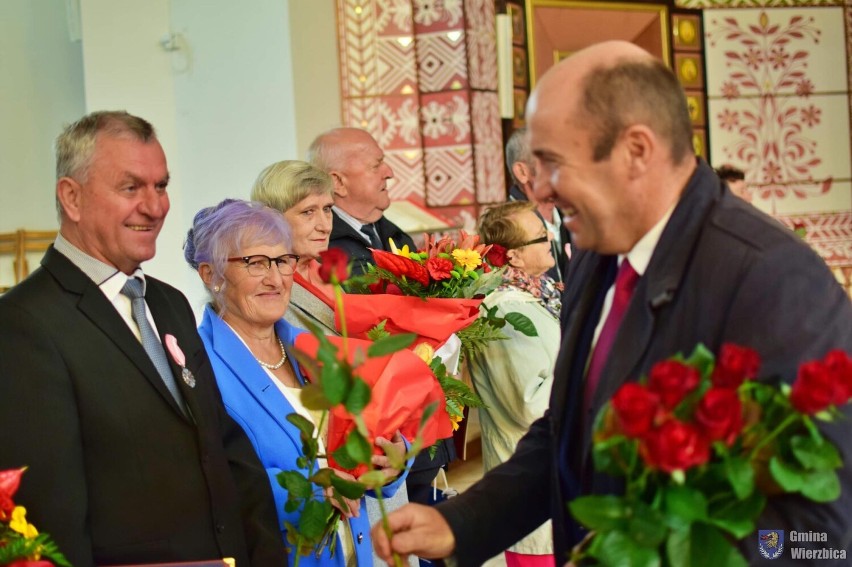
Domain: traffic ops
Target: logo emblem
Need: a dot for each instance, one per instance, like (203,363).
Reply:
(770,543)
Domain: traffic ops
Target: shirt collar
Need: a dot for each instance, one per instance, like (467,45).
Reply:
(640,254)
(351,221)
(108,278)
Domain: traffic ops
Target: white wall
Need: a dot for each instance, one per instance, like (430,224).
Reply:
(251,83)
(41,89)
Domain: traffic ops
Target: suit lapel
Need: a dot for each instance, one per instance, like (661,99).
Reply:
(245,369)
(93,304)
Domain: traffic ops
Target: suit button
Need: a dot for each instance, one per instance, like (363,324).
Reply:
(220,528)
(360,537)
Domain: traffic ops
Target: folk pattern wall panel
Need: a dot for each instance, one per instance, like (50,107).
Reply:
(779,109)
(421,76)
(488,148)
(481,44)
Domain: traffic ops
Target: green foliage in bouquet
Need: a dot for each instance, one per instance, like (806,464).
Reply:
(701,446)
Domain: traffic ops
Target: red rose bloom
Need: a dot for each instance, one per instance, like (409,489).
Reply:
(675,446)
(735,365)
(719,415)
(439,268)
(333,265)
(635,408)
(496,256)
(839,364)
(814,389)
(672,381)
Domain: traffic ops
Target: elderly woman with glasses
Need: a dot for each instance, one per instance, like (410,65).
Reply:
(242,253)
(514,377)
(305,194)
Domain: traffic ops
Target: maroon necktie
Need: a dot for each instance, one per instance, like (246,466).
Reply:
(625,283)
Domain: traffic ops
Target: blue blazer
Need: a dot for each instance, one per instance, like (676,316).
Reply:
(261,409)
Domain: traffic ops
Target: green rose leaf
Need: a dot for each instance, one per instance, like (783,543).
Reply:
(684,506)
(350,489)
(740,476)
(304,425)
(391,344)
(313,398)
(647,527)
(313,519)
(815,454)
(291,505)
(602,513)
(710,548)
(359,396)
(821,486)
(356,451)
(522,324)
(322,477)
(790,477)
(335,382)
(701,359)
(294,483)
(373,479)
(616,549)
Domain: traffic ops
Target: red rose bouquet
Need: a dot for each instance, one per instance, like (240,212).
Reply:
(20,543)
(701,445)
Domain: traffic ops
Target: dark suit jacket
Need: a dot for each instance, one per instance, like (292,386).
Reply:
(721,272)
(352,241)
(117,474)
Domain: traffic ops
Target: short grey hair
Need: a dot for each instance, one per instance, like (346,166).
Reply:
(285,183)
(75,146)
(518,150)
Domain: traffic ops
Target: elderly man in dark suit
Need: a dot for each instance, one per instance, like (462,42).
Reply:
(107,393)
(612,138)
(360,175)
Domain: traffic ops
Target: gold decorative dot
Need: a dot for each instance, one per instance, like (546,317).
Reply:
(358,9)
(688,70)
(363,78)
(686,32)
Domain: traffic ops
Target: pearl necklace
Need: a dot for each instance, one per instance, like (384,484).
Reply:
(278,364)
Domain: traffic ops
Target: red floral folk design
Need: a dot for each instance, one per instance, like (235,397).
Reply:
(773,137)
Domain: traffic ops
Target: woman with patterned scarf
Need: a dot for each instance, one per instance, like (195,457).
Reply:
(514,376)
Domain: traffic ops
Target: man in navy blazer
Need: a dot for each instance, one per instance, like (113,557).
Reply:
(611,135)
(121,470)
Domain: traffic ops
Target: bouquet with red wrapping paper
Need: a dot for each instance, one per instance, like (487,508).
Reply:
(402,386)
(701,445)
(433,320)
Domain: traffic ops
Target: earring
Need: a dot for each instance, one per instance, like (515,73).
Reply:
(216,289)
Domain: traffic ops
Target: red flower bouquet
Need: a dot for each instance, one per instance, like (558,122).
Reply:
(20,543)
(402,386)
(701,445)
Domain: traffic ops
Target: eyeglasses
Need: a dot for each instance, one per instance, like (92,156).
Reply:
(539,240)
(258,265)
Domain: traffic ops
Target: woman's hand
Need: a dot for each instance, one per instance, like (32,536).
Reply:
(352,508)
(382,462)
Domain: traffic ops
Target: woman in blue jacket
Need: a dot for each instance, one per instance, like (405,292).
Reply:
(241,251)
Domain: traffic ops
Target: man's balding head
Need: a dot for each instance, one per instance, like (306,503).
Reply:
(611,135)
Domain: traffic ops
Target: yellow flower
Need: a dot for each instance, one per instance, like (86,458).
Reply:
(20,525)
(468,259)
(456,420)
(404,251)
(425,351)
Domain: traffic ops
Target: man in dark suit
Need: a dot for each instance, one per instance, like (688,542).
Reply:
(521,166)
(132,457)
(611,134)
(360,174)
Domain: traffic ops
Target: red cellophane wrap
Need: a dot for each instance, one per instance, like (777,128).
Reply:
(433,319)
(402,386)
